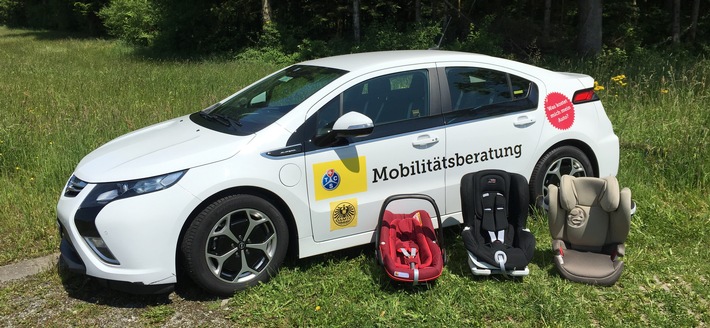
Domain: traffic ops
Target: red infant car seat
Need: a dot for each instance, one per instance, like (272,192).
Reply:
(407,245)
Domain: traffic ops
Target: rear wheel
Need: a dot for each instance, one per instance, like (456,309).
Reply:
(234,243)
(565,160)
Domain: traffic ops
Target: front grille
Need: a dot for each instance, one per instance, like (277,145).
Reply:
(74,187)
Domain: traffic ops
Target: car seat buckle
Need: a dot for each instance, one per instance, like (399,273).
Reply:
(501,258)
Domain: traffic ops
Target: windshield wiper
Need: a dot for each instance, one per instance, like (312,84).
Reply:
(226,120)
(222,119)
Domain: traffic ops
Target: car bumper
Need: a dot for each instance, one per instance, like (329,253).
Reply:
(141,232)
(608,155)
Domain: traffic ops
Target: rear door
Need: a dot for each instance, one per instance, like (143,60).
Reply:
(493,121)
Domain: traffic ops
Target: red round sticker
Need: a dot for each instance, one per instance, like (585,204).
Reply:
(559,110)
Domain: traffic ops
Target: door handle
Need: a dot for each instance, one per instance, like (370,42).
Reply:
(523,121)
(424,140)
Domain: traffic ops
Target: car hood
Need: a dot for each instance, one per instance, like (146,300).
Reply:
(165,147)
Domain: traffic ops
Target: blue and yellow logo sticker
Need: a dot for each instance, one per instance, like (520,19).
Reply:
(331,180)
(343,214)
(340,178)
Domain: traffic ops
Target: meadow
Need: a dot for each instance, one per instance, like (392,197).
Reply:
(61,97)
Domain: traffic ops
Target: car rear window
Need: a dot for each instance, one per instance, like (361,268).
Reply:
(479,92)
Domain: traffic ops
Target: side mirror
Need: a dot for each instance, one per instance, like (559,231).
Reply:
(352,124)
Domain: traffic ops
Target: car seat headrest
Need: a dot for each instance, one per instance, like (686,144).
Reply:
(405,226)
(493,183)
(408,225)
(587,191)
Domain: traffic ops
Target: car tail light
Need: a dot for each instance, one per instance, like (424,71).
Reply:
(583,96)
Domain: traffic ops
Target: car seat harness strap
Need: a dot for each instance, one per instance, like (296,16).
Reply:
(407,254)
(497,235)
(411,257)
(494,216)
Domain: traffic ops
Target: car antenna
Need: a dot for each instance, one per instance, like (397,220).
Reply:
(438,45)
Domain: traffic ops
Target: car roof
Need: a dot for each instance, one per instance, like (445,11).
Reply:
(370,61)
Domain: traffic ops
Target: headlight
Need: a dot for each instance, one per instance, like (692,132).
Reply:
(107,192)
(104,193)
(74,186)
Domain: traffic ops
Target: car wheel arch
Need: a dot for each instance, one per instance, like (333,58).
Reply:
(561,146)
(581,145)
(268,195)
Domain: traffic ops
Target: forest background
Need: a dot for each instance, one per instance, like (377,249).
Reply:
(289,31)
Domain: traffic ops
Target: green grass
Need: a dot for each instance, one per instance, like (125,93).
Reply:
(62,97)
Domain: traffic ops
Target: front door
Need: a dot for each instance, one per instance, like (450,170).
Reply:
(349,179)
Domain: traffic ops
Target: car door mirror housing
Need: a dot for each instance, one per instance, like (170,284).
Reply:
(351,124)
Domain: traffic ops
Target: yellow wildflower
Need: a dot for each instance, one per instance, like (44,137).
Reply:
(619,79)
(664,91)
(597,86)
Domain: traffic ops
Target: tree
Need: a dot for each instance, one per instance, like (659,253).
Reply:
(265,12)
(675,32)
(546,22)
(589,37)
(694,20)
(356,20)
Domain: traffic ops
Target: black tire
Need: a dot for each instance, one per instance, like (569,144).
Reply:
(555,163)
(235,243)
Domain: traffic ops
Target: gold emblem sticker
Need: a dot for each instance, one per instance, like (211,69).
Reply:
(343,214)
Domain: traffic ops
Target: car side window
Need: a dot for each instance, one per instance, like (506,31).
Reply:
(472,88)
(385,99)
(523,89)
(479,92)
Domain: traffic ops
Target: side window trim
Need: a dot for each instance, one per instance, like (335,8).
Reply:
(435,99)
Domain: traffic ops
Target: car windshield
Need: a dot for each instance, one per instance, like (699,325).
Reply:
(258,106)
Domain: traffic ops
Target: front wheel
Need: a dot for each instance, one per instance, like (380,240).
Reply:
(235,243)
(565,160)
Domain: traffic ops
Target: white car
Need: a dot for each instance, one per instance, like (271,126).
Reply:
(302,160)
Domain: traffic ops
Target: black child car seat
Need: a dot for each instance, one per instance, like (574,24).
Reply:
(495,209)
